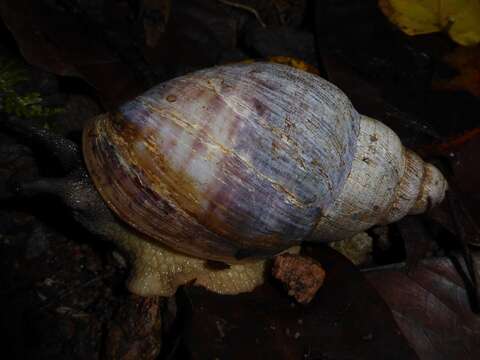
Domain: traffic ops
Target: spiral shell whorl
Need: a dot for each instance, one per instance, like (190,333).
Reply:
(432,190)
(226,163)
(386,182)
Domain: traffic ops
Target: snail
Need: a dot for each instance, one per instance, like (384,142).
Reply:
(236,164)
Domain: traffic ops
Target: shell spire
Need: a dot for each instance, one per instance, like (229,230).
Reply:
(387,182)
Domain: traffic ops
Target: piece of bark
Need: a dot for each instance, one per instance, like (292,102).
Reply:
(302,275)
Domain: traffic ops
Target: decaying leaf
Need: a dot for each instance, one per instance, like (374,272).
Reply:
(60,43)
(467,63)
(155,19)
(460,18)
(452,144)
(345,320)
(431,306)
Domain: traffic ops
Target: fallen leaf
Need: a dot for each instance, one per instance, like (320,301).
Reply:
(467,177)
(60,43)
(431,306)
(460,18)
(155,19)
(451,145)
(462,151)
(467,63)
(418,244)
(345,320)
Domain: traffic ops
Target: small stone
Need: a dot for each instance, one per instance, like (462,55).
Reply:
(301,275)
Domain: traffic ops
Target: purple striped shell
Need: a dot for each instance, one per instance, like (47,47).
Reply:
(226,163)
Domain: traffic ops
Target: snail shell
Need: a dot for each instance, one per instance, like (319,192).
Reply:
(247,160)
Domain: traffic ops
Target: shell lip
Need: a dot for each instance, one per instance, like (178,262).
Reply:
(236,256)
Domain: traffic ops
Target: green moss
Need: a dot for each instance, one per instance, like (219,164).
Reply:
(25,105)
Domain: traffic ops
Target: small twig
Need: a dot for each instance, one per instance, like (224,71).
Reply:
(245,7)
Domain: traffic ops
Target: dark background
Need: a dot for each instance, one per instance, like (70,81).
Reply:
(63,293)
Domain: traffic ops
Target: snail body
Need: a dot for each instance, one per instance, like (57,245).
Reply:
(244,161)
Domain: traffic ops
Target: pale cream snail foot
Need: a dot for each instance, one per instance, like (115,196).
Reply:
(159,271)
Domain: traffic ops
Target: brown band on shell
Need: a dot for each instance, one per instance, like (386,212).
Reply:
(432,190)
(168,207)
(408,188)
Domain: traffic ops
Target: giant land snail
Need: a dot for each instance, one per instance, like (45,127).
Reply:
(236,164)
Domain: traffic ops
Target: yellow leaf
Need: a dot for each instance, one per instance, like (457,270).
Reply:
(460,18)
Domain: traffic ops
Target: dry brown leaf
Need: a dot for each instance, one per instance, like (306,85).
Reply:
(431,306)
(467,63)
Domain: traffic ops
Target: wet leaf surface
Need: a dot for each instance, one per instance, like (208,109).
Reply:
(431,305)
(345,320)
(417,240)
(105,46)
(468,180)
(68,45)
(466,62)
(389,75)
